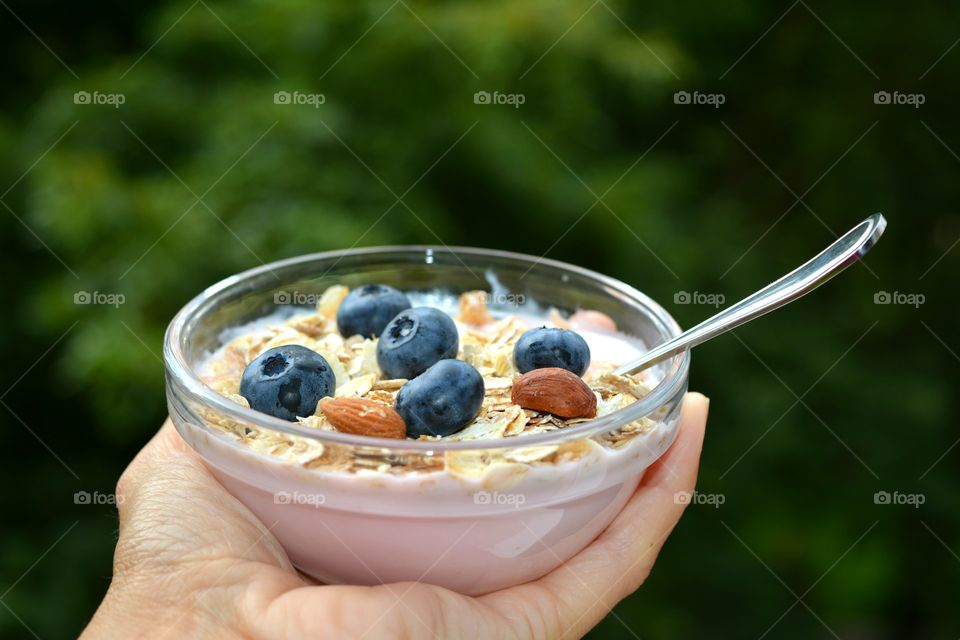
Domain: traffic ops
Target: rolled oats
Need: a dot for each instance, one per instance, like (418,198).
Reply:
(487,344)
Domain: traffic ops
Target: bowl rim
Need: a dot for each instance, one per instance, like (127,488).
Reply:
(178,369)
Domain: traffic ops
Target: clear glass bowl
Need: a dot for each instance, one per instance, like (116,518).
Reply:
(472,516)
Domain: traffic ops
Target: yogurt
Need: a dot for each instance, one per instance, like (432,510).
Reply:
(473,521)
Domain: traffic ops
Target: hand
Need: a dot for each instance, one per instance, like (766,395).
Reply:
(191,561)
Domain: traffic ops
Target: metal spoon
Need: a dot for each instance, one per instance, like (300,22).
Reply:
(849,248)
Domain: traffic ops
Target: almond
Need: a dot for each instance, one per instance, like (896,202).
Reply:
(362,417)
(554,390)
(590,319)
(473,308)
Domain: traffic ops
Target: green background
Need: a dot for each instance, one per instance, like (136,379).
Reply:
(814,409)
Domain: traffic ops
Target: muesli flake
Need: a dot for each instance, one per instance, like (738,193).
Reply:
(486,343)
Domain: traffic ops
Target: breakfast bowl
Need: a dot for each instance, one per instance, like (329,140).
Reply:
(510,498)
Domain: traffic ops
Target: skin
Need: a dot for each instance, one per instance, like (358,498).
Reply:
(192,562)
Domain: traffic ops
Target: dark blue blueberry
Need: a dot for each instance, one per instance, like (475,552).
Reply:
(414,340)
(442,400)
(547,347)
(367,310)
(286,382)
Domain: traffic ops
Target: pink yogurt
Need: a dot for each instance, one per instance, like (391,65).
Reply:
(474,534)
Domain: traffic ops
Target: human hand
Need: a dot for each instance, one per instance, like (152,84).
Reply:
(191,561)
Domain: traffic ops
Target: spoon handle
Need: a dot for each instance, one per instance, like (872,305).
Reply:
(838,256)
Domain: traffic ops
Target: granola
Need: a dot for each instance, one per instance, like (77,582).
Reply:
(485,342)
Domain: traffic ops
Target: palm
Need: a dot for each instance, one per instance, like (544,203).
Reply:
(202,559)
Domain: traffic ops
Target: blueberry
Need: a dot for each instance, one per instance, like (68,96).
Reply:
(367,310)
(547,347)
(442,400)
(286,382)
(414,340)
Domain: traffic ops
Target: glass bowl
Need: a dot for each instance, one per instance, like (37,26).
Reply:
(472,516)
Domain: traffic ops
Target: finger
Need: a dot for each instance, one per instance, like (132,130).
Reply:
(165,472)
(410,610)
(576,596)
(173,511)
(631,543)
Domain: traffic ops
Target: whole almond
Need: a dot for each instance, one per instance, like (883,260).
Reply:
(554,390)
(362,417)
(473,308)
(590,319)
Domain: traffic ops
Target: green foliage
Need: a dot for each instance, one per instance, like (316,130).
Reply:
(200,173)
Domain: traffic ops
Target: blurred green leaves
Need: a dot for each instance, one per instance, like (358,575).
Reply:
(201,173)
